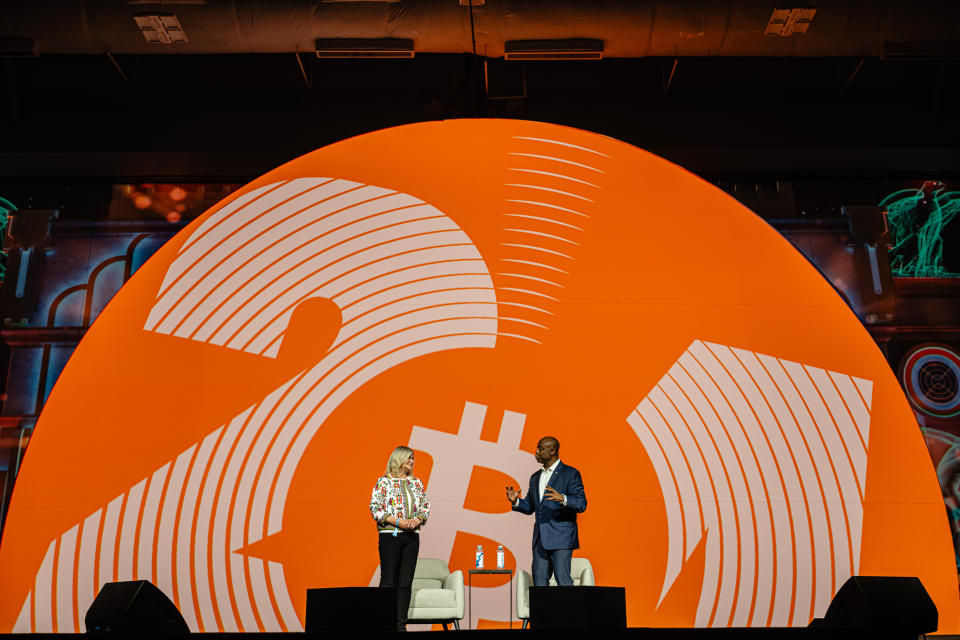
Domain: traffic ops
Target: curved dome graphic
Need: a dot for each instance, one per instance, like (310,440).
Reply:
(467,287)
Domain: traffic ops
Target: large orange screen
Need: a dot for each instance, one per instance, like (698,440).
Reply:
(467,287)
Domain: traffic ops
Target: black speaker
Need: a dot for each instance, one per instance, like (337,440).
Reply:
(892,605)
(133,607)
(578,608)
(351,609)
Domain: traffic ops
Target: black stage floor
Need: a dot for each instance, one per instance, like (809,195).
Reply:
(795,633)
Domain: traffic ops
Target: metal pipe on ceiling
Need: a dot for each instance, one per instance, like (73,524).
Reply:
(628,28)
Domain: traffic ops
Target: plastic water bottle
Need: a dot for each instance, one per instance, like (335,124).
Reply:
(499,556)
(479,556)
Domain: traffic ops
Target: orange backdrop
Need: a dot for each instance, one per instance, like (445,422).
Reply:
(467,287)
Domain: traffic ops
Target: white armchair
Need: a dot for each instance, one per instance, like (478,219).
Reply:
(580,570)
(437,594)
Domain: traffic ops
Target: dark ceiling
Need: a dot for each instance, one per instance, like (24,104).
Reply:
(218,114)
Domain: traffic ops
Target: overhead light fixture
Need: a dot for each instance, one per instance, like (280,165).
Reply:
(790,22)
(364,48)
(160,27)
(572,49)
(193,2)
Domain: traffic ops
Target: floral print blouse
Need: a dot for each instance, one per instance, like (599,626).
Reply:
(402,498)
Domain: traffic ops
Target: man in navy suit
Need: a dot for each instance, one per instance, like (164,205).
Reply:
(556,497)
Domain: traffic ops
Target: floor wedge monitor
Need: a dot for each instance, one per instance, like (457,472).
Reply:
(894,605)
(351,609)
(578,608)
(136,606)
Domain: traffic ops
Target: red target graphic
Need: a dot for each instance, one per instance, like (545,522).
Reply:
(930,374)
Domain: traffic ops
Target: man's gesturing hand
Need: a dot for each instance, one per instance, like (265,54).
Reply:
(552,494)
(512,494)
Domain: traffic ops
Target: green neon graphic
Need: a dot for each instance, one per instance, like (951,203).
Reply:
(6,207)
(917,218)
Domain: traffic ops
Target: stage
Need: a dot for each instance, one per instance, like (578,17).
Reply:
(633,633)
(748,450)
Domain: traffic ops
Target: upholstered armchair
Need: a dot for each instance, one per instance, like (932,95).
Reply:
(437,594)
(580,570)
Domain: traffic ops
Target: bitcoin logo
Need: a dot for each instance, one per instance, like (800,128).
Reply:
(448,487)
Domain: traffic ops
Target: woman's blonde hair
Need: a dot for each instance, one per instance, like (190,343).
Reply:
(400,455)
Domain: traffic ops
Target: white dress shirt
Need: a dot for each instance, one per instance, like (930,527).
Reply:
(545,478)
(544,481)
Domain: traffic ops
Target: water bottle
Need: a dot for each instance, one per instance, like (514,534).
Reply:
(479,556)
(499,556)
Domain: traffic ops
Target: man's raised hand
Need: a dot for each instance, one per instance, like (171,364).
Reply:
(512,494)
(552,494)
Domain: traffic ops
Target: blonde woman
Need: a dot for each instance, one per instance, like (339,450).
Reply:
(400,506)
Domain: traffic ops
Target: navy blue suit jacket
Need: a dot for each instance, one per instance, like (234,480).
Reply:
(556,525)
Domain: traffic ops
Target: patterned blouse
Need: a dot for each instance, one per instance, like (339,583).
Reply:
(402,498)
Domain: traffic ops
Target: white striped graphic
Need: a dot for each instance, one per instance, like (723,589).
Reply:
(554,175)
(108,542)
(148,522)
(543,201)
(24,622)
(528,292)
(128,531)
(86,561)
(166,533)
(767,451)
(556,159)
(544,235)
(547,205)
(64,610)
(524,276)
(408,282)
(44,614)
(548,189)
(542,219)
(562,144)
(536,264)
(536,248)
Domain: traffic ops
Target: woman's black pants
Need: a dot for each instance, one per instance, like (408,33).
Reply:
(398,561)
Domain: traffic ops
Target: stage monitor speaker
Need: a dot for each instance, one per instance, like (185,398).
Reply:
(351,609)
(578,608)
(133,607)
(893,605)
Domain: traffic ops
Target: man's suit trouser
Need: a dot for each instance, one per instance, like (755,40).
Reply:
(555,561)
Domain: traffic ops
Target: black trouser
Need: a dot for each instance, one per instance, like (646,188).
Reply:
(398,561)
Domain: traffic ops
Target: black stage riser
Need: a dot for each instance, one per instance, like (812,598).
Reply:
(792,633)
